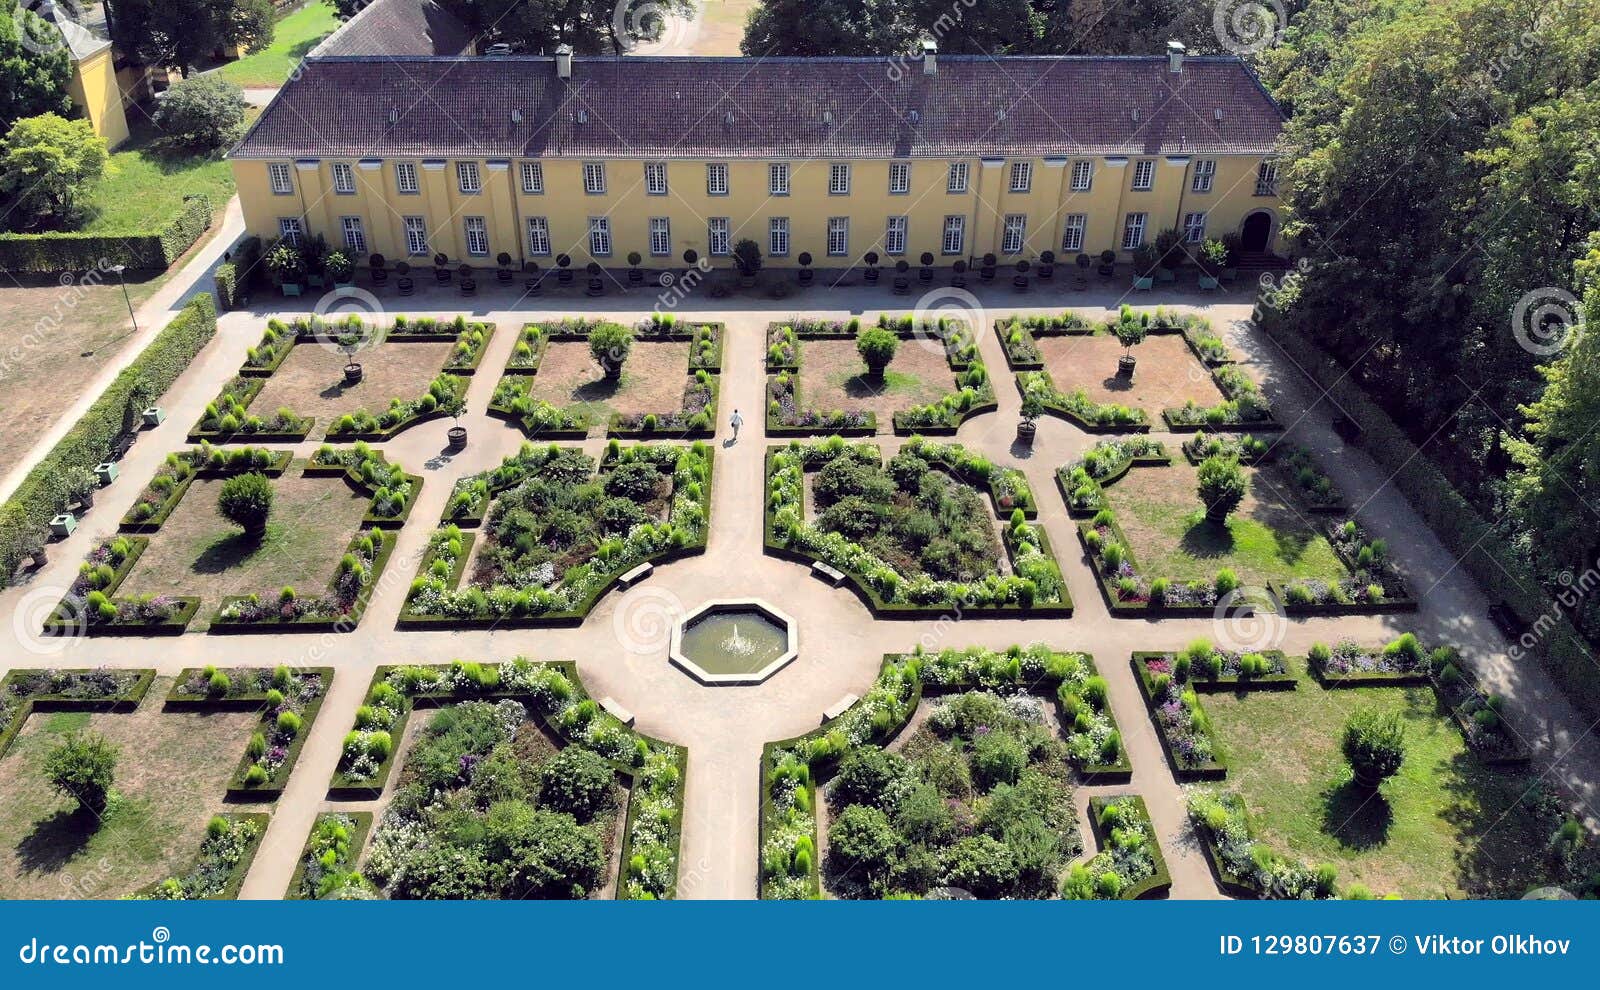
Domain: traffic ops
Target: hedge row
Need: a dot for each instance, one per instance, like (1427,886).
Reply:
(1460,527)
(43,493)
(233,277)
(141,250)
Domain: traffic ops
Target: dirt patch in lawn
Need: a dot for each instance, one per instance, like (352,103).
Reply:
(652,379)
(311,380)
(1168,373)
(833,376)
(171,777)
(1269,536)
(198,552)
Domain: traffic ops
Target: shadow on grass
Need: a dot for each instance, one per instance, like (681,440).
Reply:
(56,839)
(1358,817)
(1503,821)
(230,551)
(1206,540)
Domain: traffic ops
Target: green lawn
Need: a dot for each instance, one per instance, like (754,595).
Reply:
(1444,826)
(145,182)
(296,35)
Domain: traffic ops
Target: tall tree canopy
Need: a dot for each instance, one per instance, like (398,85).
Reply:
(184,33)
(591,27)
(34,70)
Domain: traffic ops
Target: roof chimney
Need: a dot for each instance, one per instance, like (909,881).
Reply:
(564,62)
(930,57)
(1175,52)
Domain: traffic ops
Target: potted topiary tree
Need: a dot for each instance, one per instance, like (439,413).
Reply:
(1213,257)
(1032,409)
(1020,280)
(902,282)
(925,274)
(1375,745)
(1047,265)
(469,285)
(1108,263)
(597,287)
(1230,264)
(503,273)
(691,261)
(564,269)
(1130,330)
(316,254)
(986,272)
(288,266)
(1221,485)
(870,276)
(609,344)
(349,343)
(33,543)
(1080,281)
(380,273)
(403,282)
(441,270)
(747,258)
(246,501)
(1169,255)
(456,435)
(635,273)
(877,345)
(339,268)
(534,283)
(80,483)
(806,274)
(958,274)
(1144,264)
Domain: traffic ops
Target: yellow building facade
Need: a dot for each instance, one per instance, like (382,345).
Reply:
(602,207)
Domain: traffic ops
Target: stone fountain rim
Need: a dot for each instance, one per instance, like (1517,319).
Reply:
(699,673)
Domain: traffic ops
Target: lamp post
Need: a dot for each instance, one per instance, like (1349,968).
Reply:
(119,269)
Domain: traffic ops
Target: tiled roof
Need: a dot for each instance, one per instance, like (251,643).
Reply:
(759,108)
(80,41)
(399,27)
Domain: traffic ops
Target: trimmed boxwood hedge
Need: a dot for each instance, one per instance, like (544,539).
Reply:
(126,701)
(43,493)
(238,790)
(361,827)
(230,889)
(141,250)
(1215,769)
(1158,883)
(234,276)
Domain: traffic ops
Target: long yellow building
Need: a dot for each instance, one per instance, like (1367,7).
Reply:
(597,158)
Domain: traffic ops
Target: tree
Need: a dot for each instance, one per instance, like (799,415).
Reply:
(246,501)
(48,163)
(876,346)
(1375,745)
(1222,486)
(863,840)
(591,27)
(186,32)
(609,344)
(35,69)
(1130,329)
(205,112)
(747,256)
(83,768)
(346,9)
(577,781)
(981,865)
(541,854)
(868,775)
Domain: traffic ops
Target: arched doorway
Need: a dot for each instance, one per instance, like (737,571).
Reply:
(1255,234)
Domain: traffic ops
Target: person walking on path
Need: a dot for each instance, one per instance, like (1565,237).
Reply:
(736,421)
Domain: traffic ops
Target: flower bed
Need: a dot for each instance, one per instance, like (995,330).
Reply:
(228,417)
(219,869)
(90,608)
(393,492)
(1077,408)
(1182,724)
(537,418)
(1126,590)
(1034,588)
(23,692)
(1018,335)
(1204,667)
(1246,448)
(446,396)
(1477,712)
(339,609)
(1245,867)
(1082,482)
(1129,865)
(1245,406)
(597,544)
(653,823)
(1374,585)
(1401,663)
(471,338)
(289,701)
(327,863)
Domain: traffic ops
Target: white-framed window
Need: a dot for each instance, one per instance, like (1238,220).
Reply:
(838,236)
(894,236)
(1144,174)
(1205,173)
(355,235)
(1021,176)
(538,235)
(594,178)
(1015,233)
(955,235)
(1133,231)
(405,178)
(290,231)
(839,179)
(600,236)
(417,236)
(655,178)
(477,235)
(468,178)
(660,236)
(344,178)
(957,181)
(778,236)
(778,178)
(719,239)
(1194,228)
(533,178)
(1072,231)
(1082,175)
(282,178)
(899,178)
(716,178)
(1267,179)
